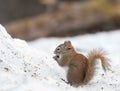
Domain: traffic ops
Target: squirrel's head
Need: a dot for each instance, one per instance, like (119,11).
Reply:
(63,48)
(63,51)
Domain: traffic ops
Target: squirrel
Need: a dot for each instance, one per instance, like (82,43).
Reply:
(81,69)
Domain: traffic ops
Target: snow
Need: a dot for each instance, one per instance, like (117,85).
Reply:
(29,66)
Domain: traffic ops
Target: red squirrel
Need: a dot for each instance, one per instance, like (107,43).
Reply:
(81,69)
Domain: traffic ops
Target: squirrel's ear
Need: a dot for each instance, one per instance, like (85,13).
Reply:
(68,44)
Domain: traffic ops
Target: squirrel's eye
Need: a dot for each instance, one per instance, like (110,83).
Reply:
(58,48)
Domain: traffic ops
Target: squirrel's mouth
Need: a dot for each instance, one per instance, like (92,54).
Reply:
(56,57)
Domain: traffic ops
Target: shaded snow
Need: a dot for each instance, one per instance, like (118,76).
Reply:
(30,67)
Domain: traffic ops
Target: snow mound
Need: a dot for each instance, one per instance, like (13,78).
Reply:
(24,68)
(20,63)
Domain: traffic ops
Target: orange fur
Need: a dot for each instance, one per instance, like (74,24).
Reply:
(81,69)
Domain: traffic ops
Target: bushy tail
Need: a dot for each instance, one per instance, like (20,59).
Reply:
(93,55)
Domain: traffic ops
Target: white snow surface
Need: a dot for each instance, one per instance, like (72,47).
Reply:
(29,66)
